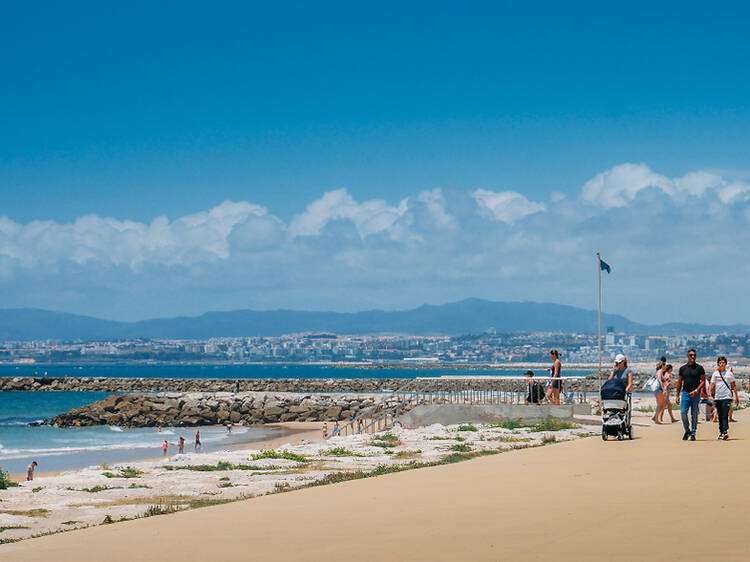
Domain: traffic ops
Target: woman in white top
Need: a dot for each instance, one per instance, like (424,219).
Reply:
(723,387)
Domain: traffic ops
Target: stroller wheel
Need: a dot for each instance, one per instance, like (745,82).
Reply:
(604,434)
(619,436)
(630,432)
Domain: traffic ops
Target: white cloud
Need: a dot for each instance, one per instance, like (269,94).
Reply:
(506,206)
(435,245)
(368,218)
(621,184)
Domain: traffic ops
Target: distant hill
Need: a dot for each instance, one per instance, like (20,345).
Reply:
(463,317)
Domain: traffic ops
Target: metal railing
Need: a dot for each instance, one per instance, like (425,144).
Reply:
(453,389)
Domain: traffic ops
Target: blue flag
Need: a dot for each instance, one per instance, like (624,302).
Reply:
(605,266)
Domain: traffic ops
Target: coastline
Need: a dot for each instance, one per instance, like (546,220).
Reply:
(294,432)
(492,508)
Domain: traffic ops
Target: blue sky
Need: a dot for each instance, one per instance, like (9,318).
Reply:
(431,116)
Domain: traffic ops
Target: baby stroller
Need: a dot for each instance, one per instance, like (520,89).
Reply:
(616,410)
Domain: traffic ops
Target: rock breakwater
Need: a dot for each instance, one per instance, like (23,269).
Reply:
(121,384)
(200,408)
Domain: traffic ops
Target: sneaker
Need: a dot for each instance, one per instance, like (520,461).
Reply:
(692,437)
(721,437)
(685,437)
(725,437)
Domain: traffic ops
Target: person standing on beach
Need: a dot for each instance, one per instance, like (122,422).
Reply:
(30,471)
(691,377)
(198,440)
(723,387)
(181,445)
(553,392)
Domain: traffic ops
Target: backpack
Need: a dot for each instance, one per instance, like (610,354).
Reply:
(537,392)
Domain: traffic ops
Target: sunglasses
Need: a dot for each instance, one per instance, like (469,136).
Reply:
(691,354)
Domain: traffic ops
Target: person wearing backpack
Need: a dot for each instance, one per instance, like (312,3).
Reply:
(536,390)
(723,388)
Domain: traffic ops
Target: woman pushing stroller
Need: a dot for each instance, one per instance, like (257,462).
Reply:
(622,372)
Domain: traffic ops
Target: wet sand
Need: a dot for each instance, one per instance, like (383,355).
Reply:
(582,500)
(292,432)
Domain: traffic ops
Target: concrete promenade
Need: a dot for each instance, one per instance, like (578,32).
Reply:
(654,497)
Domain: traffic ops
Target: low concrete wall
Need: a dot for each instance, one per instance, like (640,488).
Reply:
(447,414)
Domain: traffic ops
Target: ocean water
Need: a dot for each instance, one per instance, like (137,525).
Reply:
(243,371)
(66,448)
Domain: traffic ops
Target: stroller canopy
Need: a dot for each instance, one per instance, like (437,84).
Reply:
(613,389)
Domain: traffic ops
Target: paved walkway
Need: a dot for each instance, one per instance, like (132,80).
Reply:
(654,497)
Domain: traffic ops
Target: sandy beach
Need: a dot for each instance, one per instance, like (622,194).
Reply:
(577,500)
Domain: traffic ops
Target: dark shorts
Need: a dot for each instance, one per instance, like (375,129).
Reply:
(557,384)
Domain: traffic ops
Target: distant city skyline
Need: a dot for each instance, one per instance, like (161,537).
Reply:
(164,161)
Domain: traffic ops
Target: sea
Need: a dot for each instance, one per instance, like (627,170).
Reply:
(57,449)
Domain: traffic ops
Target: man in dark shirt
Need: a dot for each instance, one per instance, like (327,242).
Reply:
(691,378)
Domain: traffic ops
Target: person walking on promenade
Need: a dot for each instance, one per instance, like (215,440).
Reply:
(667,378)
(689,380)
(553,391)
(622,372)
(723,388)
(659,390)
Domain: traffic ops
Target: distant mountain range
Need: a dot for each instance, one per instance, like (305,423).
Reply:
(468,316)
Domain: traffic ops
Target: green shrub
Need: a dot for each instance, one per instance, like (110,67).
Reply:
(107,520)
(37,489)
(547,439)
(467,427)
(551,424)
(508,424)
(340,452)
(461,448)
(386,437)
(6,482)
(159,510)
(272,454)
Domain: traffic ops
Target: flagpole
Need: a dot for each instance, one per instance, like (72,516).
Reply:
(599,339)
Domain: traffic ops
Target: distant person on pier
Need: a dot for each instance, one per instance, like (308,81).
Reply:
(555,386)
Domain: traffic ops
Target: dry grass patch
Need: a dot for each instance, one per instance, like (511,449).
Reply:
(40,512)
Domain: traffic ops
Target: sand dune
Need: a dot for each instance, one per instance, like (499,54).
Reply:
(579,500)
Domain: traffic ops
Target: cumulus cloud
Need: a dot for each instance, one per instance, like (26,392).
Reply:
(435,245)
(506,206)
(621,184)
